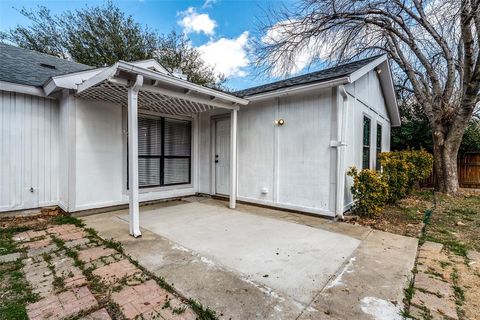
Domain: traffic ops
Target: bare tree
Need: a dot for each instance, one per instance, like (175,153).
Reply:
(434,45)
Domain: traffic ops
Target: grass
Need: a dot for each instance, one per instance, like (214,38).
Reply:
(455,223)
(454,220)
(7,245)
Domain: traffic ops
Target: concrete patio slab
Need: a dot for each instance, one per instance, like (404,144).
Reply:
(201,254)
(282,255)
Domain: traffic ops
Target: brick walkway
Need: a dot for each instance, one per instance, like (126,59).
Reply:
(439,273)
(62,262)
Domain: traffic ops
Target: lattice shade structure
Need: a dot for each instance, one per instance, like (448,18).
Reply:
(147,100)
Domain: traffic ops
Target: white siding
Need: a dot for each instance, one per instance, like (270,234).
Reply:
(365,99)
(100,159)
(293,162)
(29,155)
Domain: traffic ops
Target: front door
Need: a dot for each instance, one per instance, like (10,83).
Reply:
(222,156)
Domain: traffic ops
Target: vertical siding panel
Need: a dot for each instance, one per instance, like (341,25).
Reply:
(54,157)
(28,151)
(27,147)
(48,152)
(35,155)
(41,151)
(3,138)
(19,104)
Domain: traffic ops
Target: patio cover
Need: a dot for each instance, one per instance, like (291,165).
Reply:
(135,87)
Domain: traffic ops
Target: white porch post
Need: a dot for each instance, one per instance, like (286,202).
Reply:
(133,208)
(233,159)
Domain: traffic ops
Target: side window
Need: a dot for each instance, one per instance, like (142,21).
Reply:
(366,143)
(379,145)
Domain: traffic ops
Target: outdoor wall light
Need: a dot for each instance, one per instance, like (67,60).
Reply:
(280,122)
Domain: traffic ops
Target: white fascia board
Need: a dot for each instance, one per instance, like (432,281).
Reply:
(69,81)
(22,88)
(150,63)
(147,73)
(386,82)
(367,68)
(99,77)
(298,89)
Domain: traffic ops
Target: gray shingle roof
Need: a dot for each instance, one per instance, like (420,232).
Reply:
(23,66)
(313,77)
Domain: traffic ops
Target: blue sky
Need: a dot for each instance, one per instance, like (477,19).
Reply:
(222,29)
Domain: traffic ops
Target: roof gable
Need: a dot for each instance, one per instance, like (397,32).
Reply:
(33,68)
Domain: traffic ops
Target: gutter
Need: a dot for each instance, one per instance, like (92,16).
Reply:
(341,147)
(298,89)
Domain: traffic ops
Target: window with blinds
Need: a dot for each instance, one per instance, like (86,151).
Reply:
(164,151)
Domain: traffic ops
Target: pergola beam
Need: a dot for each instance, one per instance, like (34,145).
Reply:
(178,95)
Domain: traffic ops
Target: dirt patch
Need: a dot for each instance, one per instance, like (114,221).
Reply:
(404,218)
(35,222)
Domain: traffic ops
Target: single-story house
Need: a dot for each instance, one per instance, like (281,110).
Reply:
(85,138)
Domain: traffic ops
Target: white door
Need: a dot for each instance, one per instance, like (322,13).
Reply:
(222,156)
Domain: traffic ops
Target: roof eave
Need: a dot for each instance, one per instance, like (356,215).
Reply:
(282,92)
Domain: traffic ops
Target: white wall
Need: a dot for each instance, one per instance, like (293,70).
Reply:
(365,99)
(100,158)
(293,162)
(29,157)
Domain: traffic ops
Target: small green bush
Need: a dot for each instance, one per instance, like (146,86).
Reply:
(369,191)
(403,169)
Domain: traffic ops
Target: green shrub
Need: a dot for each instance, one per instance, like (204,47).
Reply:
(395,172)
(403,169)
(421,166)
(369,191)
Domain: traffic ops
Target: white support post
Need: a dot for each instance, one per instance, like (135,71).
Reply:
(233,159)
(133,207)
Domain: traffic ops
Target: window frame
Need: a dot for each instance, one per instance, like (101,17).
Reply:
(378,149)
(162,157)
(366,148)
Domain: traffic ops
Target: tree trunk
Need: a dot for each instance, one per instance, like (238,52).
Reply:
(445,165)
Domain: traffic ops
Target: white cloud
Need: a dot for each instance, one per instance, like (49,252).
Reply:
(192,21)
(227,56)
(209,3)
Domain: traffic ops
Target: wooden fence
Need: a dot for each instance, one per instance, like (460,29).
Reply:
(468,172)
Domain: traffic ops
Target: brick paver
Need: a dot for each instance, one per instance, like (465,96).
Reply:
(72,276)
(28,235)
(101,314)
(10,257)
(113,272)
(39,275)
(148,300)
(47,262)
(434,296)
(95,253)
(36,244)
(62,305)
(67,232)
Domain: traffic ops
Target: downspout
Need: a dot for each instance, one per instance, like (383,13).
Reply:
(133,156)
(341,147)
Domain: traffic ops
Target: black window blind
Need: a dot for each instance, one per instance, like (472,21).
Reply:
(164,151)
